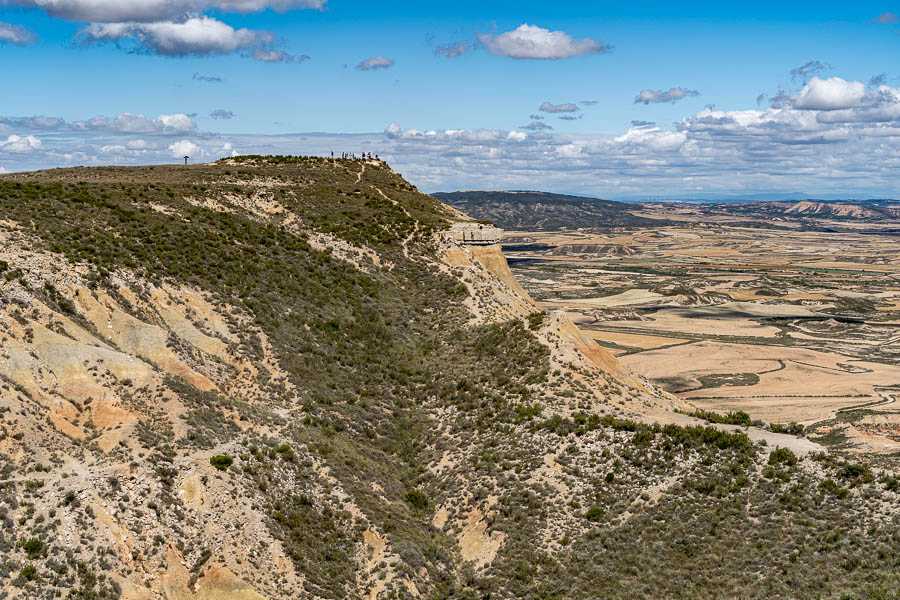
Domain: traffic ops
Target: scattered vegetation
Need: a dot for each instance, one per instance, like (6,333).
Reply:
(738,417)
(385,380)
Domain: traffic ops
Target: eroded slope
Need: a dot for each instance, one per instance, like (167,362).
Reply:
(275,378)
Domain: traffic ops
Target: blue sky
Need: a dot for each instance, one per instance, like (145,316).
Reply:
(274,69)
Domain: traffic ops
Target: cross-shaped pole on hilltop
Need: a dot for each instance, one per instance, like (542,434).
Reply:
(185,160)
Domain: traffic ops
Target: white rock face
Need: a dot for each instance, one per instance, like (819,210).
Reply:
(477,234)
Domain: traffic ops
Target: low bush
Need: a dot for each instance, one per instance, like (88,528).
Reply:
(28,573)
(220,461)
(535,320)
(33,548)
(782,456)
(417,499)
(791,428)
(595,513)
(738,417)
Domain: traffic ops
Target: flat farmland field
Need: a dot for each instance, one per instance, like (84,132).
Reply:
(799,326)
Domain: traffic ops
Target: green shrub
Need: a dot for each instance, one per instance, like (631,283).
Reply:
(782,456)
(856,473)
(595,513)
(70,498)
(535,320)
(643,437)
(417,499)
(791,428)
(28,573)
(220,461)
(285,451)
(738,417)
(33,548)
(832,487)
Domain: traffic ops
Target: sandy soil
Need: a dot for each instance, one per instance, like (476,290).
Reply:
(633,340)
(629,298)
(747,300)
(810,386)
(689,322)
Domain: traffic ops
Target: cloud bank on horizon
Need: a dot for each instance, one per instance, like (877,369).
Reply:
(832,129)
(817,131)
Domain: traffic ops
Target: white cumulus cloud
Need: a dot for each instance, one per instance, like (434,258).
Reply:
(533,42)
(178,122)
(547,107)
(16,34)
(228,150)
(196,36)
(834,93)
(20,145)
(269,55)
(570,151)
(184,148)
(882,113)
(175,124)
(854,151)
(652,138)
(145,11)
(130,123)
(167,27)
(376,62)
(659,96)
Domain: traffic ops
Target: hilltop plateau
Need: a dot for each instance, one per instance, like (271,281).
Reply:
(281,377)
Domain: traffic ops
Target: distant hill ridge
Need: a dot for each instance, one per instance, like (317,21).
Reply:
(544,210)
(547,211)
(846,210)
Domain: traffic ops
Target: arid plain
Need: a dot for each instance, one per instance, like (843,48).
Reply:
(788,319)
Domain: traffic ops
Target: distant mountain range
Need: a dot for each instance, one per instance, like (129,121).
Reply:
(872,210)
(528,210)
(760,197)
(544,210)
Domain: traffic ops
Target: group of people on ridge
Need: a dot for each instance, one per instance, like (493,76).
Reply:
(353,156)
